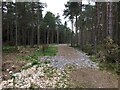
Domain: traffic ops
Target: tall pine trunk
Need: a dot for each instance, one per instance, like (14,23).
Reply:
(38,28)
(76,31)
(110,21)
(72,32)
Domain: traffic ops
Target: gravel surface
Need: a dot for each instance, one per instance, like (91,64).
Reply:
(87,74)
(69,55)
(52,75)
(37,76)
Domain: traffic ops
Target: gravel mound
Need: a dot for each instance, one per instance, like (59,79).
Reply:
(37,76)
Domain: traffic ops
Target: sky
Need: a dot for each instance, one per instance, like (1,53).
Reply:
(57,6)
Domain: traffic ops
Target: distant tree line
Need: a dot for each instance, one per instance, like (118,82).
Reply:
(23,24)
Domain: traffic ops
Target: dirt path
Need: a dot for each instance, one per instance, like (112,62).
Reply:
(68,55)
(86,76)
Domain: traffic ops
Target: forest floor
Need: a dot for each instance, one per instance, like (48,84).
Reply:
(10,62)
(85,76)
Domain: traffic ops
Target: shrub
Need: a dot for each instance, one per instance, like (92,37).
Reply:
(87,48)
(109,52)
(108,66)
(35,62)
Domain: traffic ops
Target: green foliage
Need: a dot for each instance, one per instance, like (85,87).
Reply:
(9,49)
(109,52)
(49,19)
(98,48)
(93,58)
(50,51)
(35,62)
(108,55)
(108,66)
(26,67)
(87,48)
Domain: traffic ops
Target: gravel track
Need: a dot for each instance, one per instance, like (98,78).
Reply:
(69,55)
(87,74)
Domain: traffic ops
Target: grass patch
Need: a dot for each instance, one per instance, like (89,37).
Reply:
(36,62)
(93,58)
(50,51)
(26,67)
(33,58)
(9,49)
(112,67)
(108,66)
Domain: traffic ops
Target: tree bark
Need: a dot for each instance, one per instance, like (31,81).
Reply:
(76,31)
(38,31)
(48,35)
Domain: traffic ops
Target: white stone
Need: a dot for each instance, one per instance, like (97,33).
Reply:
(7,70)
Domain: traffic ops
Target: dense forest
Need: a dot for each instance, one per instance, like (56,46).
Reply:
(43,49)
(24,24)
(96,26)
(94,22)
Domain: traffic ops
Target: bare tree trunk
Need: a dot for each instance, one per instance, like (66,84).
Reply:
(72,33)
(98,21)
(95,29)
(110,25)
(76,31)
(57,36)
(38,31)
(38,36)
(48,36)
(52,37)
(32,30)
(16,26)
(16,41)
(1,41)
(32,37)
(81,38)
(107,19)
(8,37)
(118,23)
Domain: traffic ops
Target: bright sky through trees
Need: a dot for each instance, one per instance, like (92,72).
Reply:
(57,6)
